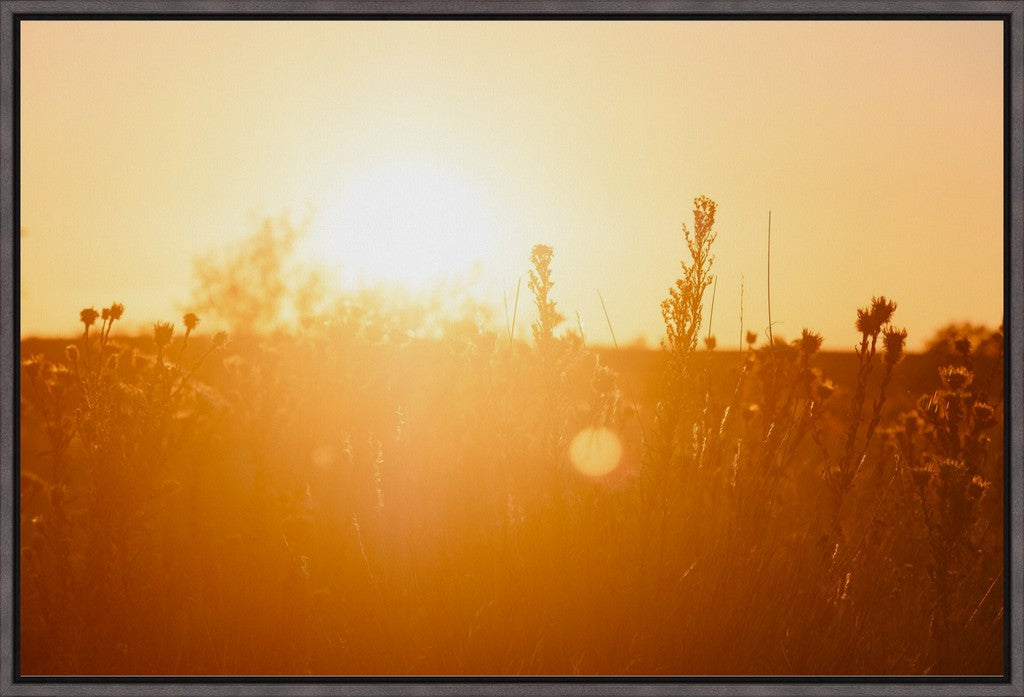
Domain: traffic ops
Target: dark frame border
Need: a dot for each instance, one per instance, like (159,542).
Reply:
(1011,12)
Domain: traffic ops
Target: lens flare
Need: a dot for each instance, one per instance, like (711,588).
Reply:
(595,452)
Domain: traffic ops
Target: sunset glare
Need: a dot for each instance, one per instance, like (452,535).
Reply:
(465,348)
(418,149)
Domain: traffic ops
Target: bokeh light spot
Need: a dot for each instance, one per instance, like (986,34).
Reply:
(595,451)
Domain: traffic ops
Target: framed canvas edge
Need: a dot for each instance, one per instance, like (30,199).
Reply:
(11,13)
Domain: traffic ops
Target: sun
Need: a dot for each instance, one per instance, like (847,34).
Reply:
(407,222)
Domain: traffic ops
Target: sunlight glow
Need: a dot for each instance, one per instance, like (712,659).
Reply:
(405,222)
(595,452)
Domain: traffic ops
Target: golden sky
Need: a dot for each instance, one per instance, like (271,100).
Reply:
(421,147)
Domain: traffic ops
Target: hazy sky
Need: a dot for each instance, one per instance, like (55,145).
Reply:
(423,146)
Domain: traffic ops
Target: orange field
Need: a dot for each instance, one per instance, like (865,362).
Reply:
(382,487)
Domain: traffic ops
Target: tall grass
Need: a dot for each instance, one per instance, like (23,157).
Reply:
(388,489)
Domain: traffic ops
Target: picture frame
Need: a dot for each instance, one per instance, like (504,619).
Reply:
(1011,12)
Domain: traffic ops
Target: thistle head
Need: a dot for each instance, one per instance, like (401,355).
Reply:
(977,487)
(808,343)
(864,322)
(921,475)
(882,309)
(162,332)
(894,341)
(190,320)
(116,310)
(59,374)
(870,320)
(34,366)
(984,415)
(710,342)
(956,377)
(88,316)
(951,471)
(751,338)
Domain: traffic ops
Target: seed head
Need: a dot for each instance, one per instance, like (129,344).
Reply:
(956,377)
(33,366)
(894,341)
(882,309)
(190,320)
(864,322)
(220,340)
(88,316)
(751,338)
(951,470)
(71,353)
(162,332)
(808,343)
(116,310)
(870,320)
(921,475)
(60,374)
(105,314)
(983,415)
(977,487)
(710,342)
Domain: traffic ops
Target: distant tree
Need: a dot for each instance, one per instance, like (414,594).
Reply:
(251,286)
(983,341)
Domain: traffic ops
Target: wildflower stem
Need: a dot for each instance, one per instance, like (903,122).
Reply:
(741,311)
(615,342)
(85,348)
(876,416)
(711,313)
(771,338)
(865,354)
(608,319)
(192,371)
(515,311)
(184,343)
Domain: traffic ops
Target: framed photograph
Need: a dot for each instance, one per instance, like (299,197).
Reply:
(381,348)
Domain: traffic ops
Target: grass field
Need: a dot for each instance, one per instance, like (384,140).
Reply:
(375,490)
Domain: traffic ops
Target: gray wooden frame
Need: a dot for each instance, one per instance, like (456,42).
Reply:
(1012,11)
